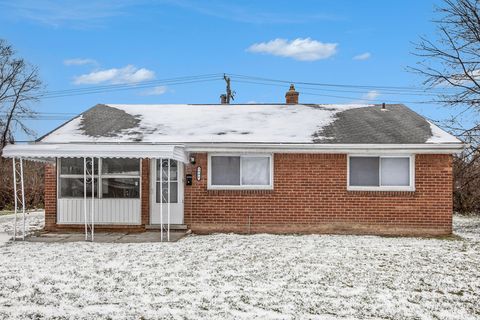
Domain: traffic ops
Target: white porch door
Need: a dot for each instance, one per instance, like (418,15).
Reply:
(159,177)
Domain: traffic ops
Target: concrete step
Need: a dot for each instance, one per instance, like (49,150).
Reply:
(172,227)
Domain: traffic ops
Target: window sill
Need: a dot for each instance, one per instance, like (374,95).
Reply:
(238,191)
(381,193)
(380,189)
(240,188)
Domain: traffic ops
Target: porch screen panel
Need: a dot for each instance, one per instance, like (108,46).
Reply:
(364,171)
(71,178)
(395,171)
(73,187)
(120,188)
(120,178)
(121,166)
(225,170)
(256,171)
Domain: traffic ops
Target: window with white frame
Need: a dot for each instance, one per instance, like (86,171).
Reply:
(114,178)
(240,172)
(381,173)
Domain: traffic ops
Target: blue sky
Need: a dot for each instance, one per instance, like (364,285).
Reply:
(82,44)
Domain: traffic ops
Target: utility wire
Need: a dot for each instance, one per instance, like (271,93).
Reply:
(123,85)
(305,87)
(131,87)
(393,88)
(336,96)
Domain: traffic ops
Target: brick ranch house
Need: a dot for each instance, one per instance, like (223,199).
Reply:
(277,168)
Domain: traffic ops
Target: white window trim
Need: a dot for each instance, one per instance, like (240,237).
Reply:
(240,187)
(98,176)
(411,187)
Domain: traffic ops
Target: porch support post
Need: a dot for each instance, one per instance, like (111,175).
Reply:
(93,198)
(23,197)
(161,198)
(85,196)
(15,198)
(168,203)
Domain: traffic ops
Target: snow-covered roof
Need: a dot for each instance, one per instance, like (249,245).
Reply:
(251,123)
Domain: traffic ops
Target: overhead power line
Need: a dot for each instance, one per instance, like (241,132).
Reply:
(337,96)
(333,87)
(372,87)
(124,87)
(127,85)
(306,88)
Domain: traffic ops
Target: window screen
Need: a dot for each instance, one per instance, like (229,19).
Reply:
(255,171)
(395,171)
(225,171)
(364,171)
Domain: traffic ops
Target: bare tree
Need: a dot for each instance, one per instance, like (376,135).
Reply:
(20,85)
(450,65)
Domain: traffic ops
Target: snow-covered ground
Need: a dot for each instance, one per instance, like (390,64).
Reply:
(34,221)
(228,276)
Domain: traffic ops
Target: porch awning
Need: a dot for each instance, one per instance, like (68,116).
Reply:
(47,151)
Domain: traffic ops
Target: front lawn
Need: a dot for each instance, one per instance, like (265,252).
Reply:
(228,276)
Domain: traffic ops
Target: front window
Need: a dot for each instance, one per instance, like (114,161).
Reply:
(381,173)
(240,172)
(113,178)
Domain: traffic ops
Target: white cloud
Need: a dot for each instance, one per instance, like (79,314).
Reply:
(298,49)
(79,62)
(371,95)
(363,56)
(367,97)
(127,74)
(155,91)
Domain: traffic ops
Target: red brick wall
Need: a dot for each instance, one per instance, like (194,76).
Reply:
(145,192)
(310,195)
(50,196)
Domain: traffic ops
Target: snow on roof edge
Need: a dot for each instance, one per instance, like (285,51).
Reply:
(441,136)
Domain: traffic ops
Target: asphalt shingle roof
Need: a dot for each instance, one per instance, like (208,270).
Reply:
(253,123)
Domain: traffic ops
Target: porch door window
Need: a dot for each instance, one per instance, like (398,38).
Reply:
(162,180)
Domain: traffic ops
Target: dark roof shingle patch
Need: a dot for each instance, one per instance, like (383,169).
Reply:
(397,124)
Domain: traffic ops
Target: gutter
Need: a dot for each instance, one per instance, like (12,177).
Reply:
(431,148)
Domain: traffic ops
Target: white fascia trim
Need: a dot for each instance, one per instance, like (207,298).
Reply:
(71,150)
(446,148)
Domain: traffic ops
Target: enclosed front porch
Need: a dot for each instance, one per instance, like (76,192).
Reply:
(108,191)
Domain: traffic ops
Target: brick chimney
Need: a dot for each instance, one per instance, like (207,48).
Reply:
(223,99)
(291,97)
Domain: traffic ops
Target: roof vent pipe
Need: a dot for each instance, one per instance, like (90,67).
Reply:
(383,106)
